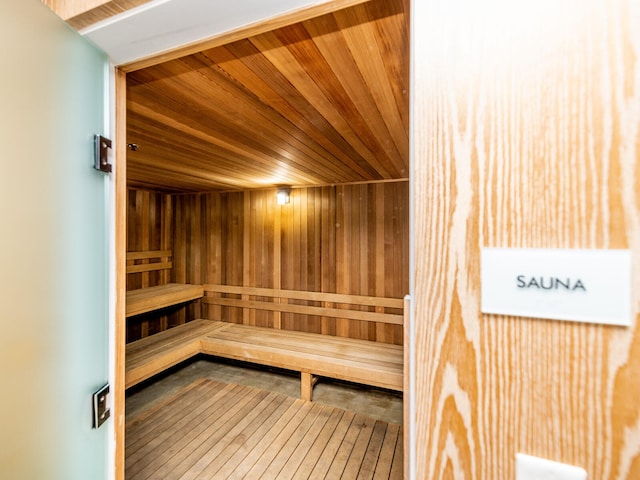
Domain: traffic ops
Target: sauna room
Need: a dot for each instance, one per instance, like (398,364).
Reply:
(268,233)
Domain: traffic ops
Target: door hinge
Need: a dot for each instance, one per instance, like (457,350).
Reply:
(101,410)
(102,146)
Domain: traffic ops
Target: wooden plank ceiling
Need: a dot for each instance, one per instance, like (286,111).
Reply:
(320,102)
(84,13)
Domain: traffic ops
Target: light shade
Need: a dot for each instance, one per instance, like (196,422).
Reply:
(282,197)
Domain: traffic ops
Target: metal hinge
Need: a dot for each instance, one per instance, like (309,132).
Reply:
(102,146)
(101,410)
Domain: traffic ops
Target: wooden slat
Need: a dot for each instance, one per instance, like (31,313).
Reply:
(200,419)
(149,267)
(356,456)
(329,450)
(284,443)
(289,466)
(148,254)
(236,448)
(346,359)
(307,310)
(359,424)
(336,114)
(244,459)
(304,295)
(358,352)
(331,432)
(206,432)
(387,454)
(153,298)
(199,459)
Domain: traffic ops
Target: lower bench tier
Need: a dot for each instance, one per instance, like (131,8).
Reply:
(359,361)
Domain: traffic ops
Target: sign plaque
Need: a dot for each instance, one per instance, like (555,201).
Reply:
(562,284)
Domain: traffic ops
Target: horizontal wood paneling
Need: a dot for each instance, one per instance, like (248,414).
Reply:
(246,239)
(530,137)
(322,101)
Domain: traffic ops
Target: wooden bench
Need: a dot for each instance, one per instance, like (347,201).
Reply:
(143,300)
(311,354)
(154,354)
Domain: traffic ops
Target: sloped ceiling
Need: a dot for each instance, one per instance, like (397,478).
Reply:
(321,102)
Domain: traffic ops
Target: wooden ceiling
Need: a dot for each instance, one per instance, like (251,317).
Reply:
(325,101)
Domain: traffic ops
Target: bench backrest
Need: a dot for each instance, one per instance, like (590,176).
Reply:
(149,261)
(354,307)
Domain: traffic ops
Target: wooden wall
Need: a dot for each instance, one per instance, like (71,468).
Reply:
(345,239)
(149,227)
(526,134)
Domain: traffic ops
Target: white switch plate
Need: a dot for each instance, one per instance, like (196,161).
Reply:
(535,468)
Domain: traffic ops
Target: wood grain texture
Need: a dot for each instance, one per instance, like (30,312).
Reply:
(84,13)
(151,355)
(348,359)
(233,237)
(67,9)
(120,334)
(526,134)
(359,361)
(149,299)
(149,229)
(231,431)
(323,101)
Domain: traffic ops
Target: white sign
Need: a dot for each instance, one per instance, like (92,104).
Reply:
(562,284)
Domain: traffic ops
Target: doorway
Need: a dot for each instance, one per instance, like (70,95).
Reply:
(340,164)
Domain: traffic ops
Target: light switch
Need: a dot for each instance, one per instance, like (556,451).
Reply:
(535,468)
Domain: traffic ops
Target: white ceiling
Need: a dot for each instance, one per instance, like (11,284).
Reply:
(163,25)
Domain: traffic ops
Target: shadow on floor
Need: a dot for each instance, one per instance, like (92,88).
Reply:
(376,403)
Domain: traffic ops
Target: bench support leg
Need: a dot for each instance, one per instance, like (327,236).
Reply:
(307,381)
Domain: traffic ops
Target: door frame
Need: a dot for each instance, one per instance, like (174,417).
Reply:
(120,104)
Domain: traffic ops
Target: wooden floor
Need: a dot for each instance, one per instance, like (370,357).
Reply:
(211,430)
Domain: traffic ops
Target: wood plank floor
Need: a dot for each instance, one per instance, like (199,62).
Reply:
(211,430)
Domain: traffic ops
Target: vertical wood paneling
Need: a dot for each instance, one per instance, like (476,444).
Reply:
(526,134)
(372,250)
(347,239)
(149,227)
(328,253)
(181,246)
(246,239)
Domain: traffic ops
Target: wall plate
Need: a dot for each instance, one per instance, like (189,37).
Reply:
(562,284)
(535,468)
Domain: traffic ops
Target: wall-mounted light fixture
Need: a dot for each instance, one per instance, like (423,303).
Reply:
(283,195)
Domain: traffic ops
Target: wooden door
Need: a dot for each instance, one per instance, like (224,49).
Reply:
(526,133)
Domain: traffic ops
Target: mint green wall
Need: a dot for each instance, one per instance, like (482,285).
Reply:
(53,248)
